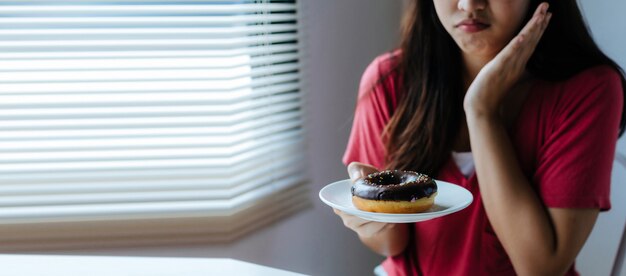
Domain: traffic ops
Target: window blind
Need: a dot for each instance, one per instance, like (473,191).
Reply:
(122,110)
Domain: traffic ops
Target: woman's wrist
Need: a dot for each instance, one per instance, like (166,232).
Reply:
(476,107)
(475,115)
(390,241)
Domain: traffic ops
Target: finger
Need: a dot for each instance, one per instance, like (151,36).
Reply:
(538,28)
(354,222)
(360,223)
(523,45)
(532,32)
(547,21)
(536,22)
(358,170)
(342,214)
(349,220)
(373,228)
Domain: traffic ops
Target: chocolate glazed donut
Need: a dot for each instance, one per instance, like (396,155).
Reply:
(394,192)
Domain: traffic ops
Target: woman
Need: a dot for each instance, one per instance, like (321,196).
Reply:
(519,93)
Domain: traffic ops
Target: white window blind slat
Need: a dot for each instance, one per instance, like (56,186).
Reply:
(137,86)
(148,209)
(162,183)
(221,124)
(109,64)
(190,228)
(151,53)
(234,156)
(155,21)
(151,75)
(144,33)
(231,97)
(133,149)
(111,111)
(248,184)
(246,130)
(159,9)
(259,158)
(96,44)
(22,110)
(129,2)
(138,111)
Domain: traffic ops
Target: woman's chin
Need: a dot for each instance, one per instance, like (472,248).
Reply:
(478,48)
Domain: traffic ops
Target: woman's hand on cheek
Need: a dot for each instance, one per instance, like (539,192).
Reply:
(487,91)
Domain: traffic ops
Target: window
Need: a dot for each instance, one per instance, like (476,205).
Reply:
(153,119)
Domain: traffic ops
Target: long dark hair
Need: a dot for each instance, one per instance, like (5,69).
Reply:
(427,120)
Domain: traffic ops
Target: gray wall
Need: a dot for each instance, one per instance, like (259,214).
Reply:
(607,23)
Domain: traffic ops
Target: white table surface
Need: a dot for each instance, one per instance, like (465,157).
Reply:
(63,265)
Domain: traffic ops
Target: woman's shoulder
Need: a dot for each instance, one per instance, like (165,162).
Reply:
(382,72)
(596,79)
(595,90)
(386,62)
(600,74)
(596,82)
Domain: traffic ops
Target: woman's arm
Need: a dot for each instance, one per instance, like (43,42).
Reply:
(387,239)
(390,241)
(538,240)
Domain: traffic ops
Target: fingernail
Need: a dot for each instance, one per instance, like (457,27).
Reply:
(545,7)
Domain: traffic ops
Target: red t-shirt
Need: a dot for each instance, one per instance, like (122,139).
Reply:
(564,137)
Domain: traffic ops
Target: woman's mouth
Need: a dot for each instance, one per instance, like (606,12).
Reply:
(472,25)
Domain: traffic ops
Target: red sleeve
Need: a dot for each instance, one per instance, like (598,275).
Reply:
(373,110)
(576,158)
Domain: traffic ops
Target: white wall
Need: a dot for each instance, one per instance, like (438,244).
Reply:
(341,37)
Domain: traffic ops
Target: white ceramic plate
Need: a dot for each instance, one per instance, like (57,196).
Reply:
(450,198)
